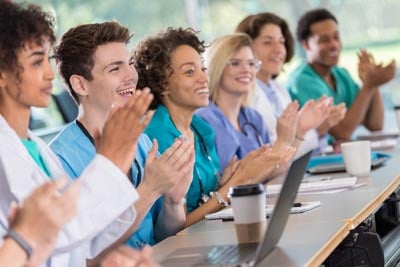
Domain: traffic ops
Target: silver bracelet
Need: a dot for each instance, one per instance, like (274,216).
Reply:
(219,199)
(183,201)
(21,242)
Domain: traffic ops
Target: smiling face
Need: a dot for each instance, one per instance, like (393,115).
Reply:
(269,47)
(239,74)
(114,77)
(187,87)
(324,45)
(34,85)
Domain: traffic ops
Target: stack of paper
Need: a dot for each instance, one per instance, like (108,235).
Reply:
(227,214)
(317,186)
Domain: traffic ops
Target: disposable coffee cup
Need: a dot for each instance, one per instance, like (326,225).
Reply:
(249,213)
(357,157)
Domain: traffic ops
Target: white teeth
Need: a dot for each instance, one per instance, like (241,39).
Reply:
(202,91)
(244,80)
(276,59)
(126,91)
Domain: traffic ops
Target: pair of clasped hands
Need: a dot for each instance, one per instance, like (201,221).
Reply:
(268,161)
(169,174)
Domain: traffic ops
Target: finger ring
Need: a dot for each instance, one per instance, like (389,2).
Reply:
(276,166)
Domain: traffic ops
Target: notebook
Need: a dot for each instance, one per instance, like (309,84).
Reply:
(316,186)
(335,162)
(248,254)
(227,214)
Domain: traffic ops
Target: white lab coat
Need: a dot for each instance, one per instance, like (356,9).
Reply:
(261,103)
(105,205)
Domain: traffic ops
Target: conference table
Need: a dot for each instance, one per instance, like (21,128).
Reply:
(310,237)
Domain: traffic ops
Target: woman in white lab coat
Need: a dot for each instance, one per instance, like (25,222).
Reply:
(274,46)
(105,210)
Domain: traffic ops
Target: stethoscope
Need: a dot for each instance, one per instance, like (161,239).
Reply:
(204,197)
(248,124)
(138,175)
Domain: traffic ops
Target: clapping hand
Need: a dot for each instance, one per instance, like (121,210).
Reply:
(335,115)
(373,74)
(260,165)
(43,214)
(313,114)
(171,173)
(287,124)
(124,124)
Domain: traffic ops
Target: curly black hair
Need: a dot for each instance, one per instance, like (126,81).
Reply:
(74,54)
(303,30)
(152,58)
(19,25)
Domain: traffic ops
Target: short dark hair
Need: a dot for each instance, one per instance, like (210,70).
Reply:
(153,58)
(303,31)
(252,25)
(20,24)
(75,52)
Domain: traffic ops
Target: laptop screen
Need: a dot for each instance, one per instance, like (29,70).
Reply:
(286,198)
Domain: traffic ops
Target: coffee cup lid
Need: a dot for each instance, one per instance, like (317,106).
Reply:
(246,190)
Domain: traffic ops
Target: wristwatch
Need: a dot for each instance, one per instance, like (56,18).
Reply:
(219,199)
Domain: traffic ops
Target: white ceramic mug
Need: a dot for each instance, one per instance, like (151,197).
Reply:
(357,157)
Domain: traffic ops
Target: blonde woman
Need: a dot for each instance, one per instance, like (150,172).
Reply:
(239,129)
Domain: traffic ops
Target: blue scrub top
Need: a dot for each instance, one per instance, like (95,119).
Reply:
(76,150)
(230,141)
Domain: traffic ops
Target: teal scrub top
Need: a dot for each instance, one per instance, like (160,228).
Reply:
(33,150)
(206,167)
(305,84)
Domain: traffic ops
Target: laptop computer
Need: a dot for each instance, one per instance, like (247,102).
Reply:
(253,253)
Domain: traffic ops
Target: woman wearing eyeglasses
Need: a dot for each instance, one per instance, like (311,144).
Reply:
(239,129)
(171,65)
(273,44)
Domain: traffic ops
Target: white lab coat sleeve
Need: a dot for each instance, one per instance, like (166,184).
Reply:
(105,208)
(259,101)
(3,232)
(311,142)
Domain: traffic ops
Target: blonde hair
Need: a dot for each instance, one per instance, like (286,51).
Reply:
(219,53)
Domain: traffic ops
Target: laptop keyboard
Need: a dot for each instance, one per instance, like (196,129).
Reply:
(232,254)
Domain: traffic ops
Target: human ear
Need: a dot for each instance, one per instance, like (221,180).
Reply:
(78,84)
(165,90)
(2,80)
(305,45)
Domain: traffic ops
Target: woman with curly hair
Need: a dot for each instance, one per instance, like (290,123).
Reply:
(171,65)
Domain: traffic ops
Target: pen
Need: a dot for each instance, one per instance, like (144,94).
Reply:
(230,219)
(297,204)
(318,179)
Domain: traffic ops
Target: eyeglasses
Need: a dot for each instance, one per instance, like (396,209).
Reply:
(236,64)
